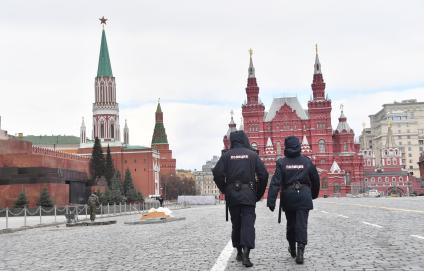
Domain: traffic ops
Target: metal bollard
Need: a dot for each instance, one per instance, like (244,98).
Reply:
(108,209)
(85,211)
(101,210)
(125,209)
(7,218)
(55,214)
(120,211)
(114,208)
(40,213)
(25,219)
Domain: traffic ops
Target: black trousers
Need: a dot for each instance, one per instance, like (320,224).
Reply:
(243,219)
(297,226)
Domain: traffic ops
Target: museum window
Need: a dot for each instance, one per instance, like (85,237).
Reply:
(324,183)
(421,142)
(388,162)
(394,161)
(321,145)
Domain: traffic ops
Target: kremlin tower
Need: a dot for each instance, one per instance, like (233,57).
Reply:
(144,163)
(160,143)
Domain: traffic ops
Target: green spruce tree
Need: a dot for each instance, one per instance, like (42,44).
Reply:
(109,168)
(97,162)
(116,189)
(130,192)
(45,200)
(21,201)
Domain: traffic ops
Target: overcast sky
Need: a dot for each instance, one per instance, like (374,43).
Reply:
(194,56)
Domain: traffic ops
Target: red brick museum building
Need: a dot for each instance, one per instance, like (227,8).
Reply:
(334,151)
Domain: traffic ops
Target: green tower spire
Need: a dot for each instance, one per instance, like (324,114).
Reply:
(104,68)
(159,133)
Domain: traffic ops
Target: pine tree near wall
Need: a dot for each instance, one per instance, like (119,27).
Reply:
(129,190)
(21,201)
(45,200)
(115,189)
(97,162)
(109,168)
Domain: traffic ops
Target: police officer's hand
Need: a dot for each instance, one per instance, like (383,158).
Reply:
(272,208)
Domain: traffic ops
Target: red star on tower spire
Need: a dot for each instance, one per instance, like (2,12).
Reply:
(103,20)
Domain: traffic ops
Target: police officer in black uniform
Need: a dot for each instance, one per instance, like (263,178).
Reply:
(235,175)
(298,180)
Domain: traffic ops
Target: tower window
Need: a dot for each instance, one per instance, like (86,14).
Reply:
(102,130)
(321,145)
(112,130)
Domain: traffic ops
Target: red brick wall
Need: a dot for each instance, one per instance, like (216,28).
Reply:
(140,164)
(59,193)
(18,153)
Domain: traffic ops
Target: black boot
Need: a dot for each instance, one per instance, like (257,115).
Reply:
(299,256)
(246,260)
(239,256)
(292,249)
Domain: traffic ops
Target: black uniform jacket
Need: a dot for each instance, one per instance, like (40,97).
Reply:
(294,168)
(236,171)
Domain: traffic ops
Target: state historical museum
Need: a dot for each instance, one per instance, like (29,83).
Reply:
(334,152)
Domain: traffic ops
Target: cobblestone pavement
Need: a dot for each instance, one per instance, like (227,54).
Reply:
(344,234)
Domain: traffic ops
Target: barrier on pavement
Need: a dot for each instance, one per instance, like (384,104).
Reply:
(50,214)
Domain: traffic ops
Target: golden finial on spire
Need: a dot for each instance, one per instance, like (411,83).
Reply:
(158,100)
(316,48)
(341,107)
(232,113)
(250,52)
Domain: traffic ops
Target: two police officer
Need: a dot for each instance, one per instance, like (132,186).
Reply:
(242,177)
(298,180)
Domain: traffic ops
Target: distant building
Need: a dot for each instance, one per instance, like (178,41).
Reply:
(204,179)
(421,166)
(407,119)
(3,133)
(185,174)
(62,143)
(384,171)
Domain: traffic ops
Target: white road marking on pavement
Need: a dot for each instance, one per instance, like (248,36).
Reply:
(325,212)
(379,207)
(221,262)
(374,225)
(343,216)
(418,236)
